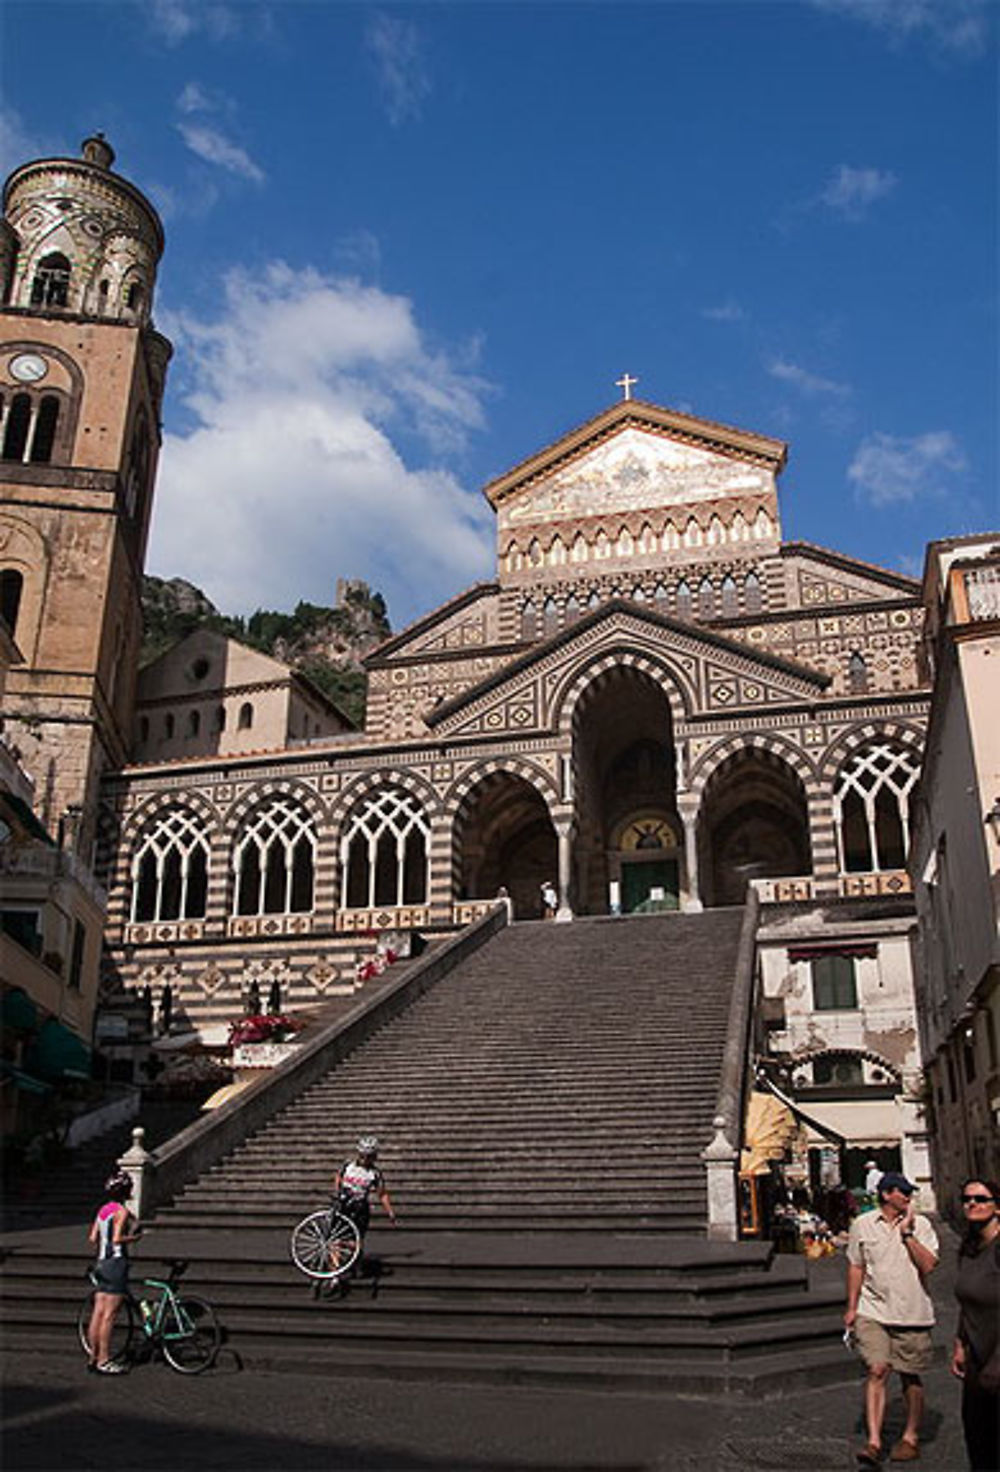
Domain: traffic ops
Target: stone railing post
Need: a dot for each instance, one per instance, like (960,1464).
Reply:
(140,1165)
(720,1179)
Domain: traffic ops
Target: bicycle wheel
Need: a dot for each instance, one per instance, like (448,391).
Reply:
(325,1244)
(190,1335)
(122,1330)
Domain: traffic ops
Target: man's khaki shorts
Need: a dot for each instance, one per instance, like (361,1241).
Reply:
(907,1350)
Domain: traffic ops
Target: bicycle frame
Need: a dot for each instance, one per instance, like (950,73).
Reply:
(156,1326)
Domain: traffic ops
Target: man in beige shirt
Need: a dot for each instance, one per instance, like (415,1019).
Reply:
(890,1252)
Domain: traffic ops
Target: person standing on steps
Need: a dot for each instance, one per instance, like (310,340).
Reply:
(112,1229)
(550,900)
(354,1183)
(976,1354)
(890,1252)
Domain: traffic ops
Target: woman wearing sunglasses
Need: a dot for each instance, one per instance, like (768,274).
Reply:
(976,1357)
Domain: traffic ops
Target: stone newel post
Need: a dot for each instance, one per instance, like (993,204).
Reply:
(720,1172)
(138,1163)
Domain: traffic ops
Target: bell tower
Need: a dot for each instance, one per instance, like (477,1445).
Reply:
(82,374)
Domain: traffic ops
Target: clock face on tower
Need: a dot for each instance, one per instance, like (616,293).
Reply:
(28,367)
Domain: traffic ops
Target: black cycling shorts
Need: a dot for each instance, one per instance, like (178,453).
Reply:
(110,1275)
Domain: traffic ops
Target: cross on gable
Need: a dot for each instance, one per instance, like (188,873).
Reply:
(625,384)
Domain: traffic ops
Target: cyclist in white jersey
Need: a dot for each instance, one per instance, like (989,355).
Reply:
(113,1228)
(355,1182)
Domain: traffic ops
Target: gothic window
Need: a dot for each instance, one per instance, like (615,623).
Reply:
(706,599)
(716,532)
(133,296)
(660,598)
(857,674)
(594,601)
(739,531)
(550,618)
(602,547)
(274,859)
(246,716)
(512,557)
(194,722)
(625,546)
(647,540)
(872,807)
(50,287)
(580,550)
(682,600)
(170,869)
(762,525)
(572,611)
(529,621)
(638,594)
(753,598)
(692,533)
(730,598)
(557,553)
(11,588)
(535,554)
(220,718)
(671,537)
(29,428)
(383,852)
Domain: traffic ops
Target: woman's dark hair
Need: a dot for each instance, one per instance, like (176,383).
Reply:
(971,1239)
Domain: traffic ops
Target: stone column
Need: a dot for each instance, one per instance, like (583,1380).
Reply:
(565,872)
(687,806)
(720,1171)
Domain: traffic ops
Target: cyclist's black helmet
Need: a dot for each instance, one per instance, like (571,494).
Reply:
(119,1184)
(368,1147)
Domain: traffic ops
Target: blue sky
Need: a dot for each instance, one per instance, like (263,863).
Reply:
(408,246)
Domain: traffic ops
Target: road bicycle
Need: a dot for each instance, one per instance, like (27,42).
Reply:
(325,1244)
(183,1326)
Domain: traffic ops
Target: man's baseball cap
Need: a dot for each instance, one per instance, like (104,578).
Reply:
(893,1181)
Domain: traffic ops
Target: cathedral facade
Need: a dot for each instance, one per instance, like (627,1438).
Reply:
(656,702)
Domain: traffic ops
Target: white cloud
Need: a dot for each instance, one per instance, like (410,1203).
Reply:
(291,474)
(404,80)
(17,145)
(850,191)
(810,384)
(215,148)
(957,27)
(887,469)
(728,311)
(176,21)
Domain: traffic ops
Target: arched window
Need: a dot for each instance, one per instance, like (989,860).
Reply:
(730,598)
(529,621)
(638,594)
(274,860)
(682,600)
(753,598)
(580,550)
(29,429)
(706,599)
(647,539)
(194,722)
(17,427)
(692,533)
(594,600)
(50,287)
(716,532)
(557,553)
(762,525)
(168,725)
(11,588)
(246,716)
(383,851)
(220,717)
(625,545)
(857,674)
(660,598)
(872,807)
(671,537)
(550,618)
(170,869)
(602,547)
(572,609)
(44,436)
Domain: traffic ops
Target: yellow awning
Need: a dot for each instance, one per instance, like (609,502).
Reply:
(770,1127)
(227,1092)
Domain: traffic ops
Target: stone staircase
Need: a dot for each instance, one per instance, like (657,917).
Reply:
(542,1111)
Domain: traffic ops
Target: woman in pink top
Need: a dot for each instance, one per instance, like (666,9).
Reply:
(113,1228)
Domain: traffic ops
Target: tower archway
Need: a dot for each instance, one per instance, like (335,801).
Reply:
(628,853)
(754,824)
(504,839)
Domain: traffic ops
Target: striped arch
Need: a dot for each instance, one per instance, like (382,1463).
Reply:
(542,781)
(277,787)
(911,738)
(138,821)
(368,782)
(779,746)
(674,685)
